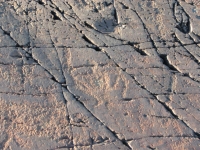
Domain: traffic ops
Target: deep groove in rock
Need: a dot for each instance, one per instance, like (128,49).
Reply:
(141,52)
(75,97)
(55,17)
(40,2)
(149,147)
(88,25)
(168,109)
(87,40)
(115,12)
(125,143)
(197,135)
(6,33)
(166,62)
(97,48)
(107,4)
(124,6)
(182,26)
(127,99)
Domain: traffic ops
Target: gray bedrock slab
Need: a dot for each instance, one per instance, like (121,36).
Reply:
(99,74)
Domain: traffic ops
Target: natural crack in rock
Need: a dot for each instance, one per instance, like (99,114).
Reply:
(91,74)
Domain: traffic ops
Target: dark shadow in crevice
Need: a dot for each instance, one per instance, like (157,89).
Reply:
(55,17)
(40,2)
(105,25)
(166,62)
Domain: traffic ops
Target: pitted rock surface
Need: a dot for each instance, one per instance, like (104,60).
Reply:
(97,74)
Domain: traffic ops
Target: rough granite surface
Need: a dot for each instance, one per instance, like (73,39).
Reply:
(99,74)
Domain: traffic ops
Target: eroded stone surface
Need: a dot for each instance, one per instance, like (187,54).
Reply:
(91,74)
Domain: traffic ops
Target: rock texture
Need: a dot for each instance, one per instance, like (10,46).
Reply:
(99,74)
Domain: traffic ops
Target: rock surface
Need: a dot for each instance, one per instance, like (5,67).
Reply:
(99,74)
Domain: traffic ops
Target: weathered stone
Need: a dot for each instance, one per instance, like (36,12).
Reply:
(93,74)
